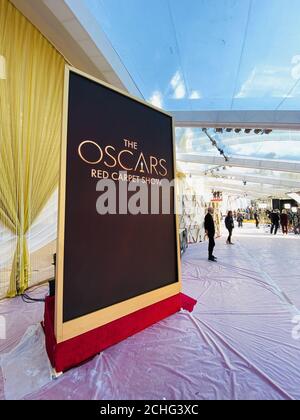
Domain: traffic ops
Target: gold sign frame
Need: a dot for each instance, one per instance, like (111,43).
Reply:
(68,330)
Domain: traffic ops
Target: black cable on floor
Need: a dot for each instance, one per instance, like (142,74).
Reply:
(27,299)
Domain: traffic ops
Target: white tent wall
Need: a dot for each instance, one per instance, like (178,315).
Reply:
(42,245)
(191,207)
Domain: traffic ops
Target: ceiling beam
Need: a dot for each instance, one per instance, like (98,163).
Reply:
(77,35)
(255,179)
(42,18)
(248,189)
(240,162)
(221,184)
(251,193)
(279,120)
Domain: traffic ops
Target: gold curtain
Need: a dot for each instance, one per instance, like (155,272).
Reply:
(31,86)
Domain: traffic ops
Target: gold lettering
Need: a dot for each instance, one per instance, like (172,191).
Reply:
(165,172)
(119,159)
(142,163)
(153,165)
(94,144)
(130,144)
(111,156)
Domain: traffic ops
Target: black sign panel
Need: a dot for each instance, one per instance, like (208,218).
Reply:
(111,258)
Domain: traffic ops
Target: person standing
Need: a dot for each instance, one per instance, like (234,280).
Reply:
(284,220)
(229,223)
(209,226)
(240,220)
(275,219)
(256,217)
(296,222)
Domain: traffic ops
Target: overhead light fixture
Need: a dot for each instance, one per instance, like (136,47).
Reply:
(268,131)
(248,131)
(257,131)
(229,130)
(219,130)
(238,130)
(215,144)
(204,130)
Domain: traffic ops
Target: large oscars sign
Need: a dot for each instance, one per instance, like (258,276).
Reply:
(115,255)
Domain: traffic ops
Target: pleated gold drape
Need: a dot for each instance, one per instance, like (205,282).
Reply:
(31,86)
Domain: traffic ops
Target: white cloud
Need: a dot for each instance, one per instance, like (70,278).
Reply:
(272,81)
(186,140)
(195,95)
(269,80)
(179,90)
(175,80)
(157,99)
(296,67)
(284,150)
(178,86)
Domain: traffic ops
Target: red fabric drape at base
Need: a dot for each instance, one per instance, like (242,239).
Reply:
(71,353)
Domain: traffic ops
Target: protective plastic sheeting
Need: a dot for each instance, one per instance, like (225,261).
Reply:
(238,343)
(26,368)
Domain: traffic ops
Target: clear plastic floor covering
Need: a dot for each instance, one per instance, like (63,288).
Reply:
(239,343)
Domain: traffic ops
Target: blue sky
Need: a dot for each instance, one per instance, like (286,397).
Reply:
(208,54)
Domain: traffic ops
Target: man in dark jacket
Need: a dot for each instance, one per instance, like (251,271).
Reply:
(229,223)
(275,219)
(209,226)
(284,221)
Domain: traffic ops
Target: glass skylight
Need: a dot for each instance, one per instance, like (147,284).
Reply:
(279,145)
(208,54)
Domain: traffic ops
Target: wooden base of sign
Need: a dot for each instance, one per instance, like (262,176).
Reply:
(71,353)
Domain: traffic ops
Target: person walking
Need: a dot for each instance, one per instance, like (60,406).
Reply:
(275,219)
(284,221)
(229,223)
(210,230)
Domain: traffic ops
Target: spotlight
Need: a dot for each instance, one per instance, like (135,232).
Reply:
(219,130)
(245,183)
(204,130)
(268,131)
(248,131)
(238,130)
(257,131)
(229,130)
